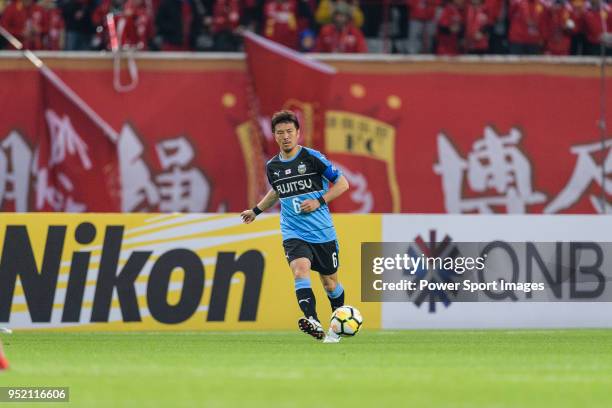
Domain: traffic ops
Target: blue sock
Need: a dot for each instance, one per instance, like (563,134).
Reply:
(336,297)
(305,297)
(302,283)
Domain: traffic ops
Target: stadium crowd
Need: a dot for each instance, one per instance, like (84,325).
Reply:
(444,27)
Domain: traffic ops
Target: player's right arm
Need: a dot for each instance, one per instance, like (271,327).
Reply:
(271,197)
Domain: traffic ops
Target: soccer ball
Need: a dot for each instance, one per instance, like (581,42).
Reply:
(346,321)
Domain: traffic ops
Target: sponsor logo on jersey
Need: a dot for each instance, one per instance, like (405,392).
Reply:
(294,186)
(302,168)
(288,171)
(277,173)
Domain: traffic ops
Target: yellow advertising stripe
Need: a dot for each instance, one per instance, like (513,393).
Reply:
(266,224)
(137,245)
(161,217)
(65,269)
(240,230)
(139,230)
(213,249)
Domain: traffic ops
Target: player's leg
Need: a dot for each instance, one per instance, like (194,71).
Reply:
(334,290)
(335,294)
(303,287)
(325,260)
(299,256)
(309,324)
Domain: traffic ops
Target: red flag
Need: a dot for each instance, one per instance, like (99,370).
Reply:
(284,79)
(76,163)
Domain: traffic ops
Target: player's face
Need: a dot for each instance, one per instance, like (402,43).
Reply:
(286,136)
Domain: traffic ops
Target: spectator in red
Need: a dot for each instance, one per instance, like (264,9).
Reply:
(478,21)
(341,35)
(451,26)
(598,27)
(54,40)
(115,7)
(422,25)
(280,22)
(225,23)
(26,21)
(494,9)
(561,27)
(527,26)
(139,24)
(132,21)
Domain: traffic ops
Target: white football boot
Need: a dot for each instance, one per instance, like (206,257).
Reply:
(331,337)
(311,327)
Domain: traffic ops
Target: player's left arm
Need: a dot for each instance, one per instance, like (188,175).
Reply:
(340,184)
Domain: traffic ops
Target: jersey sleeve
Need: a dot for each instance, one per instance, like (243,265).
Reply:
(268,175)
(325,167)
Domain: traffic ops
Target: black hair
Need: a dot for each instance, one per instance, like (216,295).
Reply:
(284,116)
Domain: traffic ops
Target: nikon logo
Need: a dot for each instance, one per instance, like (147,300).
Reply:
(39,286)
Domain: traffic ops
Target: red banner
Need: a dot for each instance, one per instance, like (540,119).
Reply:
(507,139)
(284,79)
(76,166)
(183,137)
(425,137)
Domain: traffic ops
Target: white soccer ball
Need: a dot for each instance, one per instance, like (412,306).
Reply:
(346,321)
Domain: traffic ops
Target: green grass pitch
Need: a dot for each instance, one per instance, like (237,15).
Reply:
(556,368)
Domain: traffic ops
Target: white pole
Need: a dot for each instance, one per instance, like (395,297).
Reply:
(62,86)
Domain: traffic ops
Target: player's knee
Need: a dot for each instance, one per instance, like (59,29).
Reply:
(301,271)
(300,268)
(329,285)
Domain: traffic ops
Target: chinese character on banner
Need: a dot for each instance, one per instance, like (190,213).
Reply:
(496,170)
(75,164)
(54,188)
(55,196)
(15,160)
(180,186)
(138,192)
(587,172)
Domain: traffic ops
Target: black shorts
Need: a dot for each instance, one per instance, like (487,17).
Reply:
(323,257)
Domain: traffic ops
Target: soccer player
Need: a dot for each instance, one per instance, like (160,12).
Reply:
(300,178)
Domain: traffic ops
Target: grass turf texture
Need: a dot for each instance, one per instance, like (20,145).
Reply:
(556,368)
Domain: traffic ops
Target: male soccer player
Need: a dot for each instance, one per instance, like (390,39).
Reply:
(300,178)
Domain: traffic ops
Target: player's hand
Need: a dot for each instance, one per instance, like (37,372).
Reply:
(309,206)
(248,216)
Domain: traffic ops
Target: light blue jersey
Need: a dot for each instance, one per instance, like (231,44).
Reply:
(305,176)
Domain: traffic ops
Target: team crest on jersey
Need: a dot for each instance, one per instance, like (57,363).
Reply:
(288,171)
(302,168)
